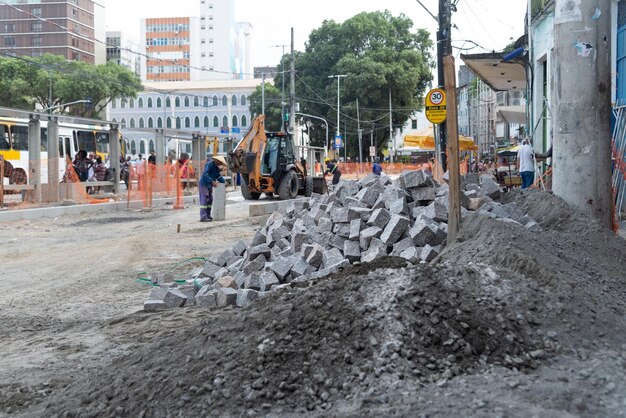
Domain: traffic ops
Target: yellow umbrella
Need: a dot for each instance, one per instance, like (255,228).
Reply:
(425,139)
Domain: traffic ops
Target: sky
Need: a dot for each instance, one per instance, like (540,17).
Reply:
(492,24)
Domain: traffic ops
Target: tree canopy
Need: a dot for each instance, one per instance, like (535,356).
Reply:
(50,80)
(378,53)
(272,106)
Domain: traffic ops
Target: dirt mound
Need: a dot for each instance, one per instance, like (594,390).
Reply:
(505,297)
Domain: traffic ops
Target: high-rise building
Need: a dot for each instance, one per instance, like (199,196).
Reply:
(209,47)
(71,28)
(122,50)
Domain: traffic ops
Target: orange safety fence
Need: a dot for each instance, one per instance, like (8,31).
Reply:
(352,171)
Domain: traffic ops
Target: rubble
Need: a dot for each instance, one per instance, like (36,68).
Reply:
(361,221)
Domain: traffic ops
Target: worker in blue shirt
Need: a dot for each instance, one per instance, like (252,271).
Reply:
(210,177)
(377,168)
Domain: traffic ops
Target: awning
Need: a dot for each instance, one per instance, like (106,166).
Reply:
(513,114)
(498,74)
(425,139)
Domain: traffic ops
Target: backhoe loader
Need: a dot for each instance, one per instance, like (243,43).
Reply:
(268,164)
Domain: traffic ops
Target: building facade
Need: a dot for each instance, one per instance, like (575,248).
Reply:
(122,50)
(73,29)
(212,46)
(218,107)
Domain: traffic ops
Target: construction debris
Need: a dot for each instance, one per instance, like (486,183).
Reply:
(359,222)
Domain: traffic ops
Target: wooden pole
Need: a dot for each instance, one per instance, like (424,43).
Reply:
(454,182)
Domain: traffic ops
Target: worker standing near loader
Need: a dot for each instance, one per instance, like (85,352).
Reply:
(210,177)
(332,168)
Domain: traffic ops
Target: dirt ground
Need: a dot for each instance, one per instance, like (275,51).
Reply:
(507,322)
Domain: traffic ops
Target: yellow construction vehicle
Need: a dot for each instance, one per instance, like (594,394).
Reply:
(268,164)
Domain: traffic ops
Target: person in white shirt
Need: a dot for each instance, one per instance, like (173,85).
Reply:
(525,164)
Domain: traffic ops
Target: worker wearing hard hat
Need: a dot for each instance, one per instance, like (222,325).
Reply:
(210,177)
(332,168)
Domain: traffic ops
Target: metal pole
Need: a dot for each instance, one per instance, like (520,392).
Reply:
(263,95)
(292,90)
(53,160)
(114,162)
(391,137)
(358,121)
(34,159)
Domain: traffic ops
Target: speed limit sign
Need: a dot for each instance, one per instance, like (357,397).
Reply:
(436,106)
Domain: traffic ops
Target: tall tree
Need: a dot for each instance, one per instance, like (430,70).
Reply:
(50,81)
(272,106)
(379,53)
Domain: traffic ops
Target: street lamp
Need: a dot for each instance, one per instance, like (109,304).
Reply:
(48,109)
(338,77)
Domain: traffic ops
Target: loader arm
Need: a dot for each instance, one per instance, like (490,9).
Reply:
(253,143)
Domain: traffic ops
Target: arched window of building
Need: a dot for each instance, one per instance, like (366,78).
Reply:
(123,103)
(151,146)
(216,122)
(159,122)
(224,121)
(244,100)
(141,123)
(186,101)
(187,122)
(244,121)
(132,103)
(233,100)
(132,122)
(151,123)
(196,122)
(196,101)
(150,102)
(168,122)
(235,121)
(114,120)
(113,103)
(140,103)
(205,101)
(177,102)
(206,121)
(133,147)
(168,102)
(123,122)
(178,122)
(159,102)
(142,147)
(224,100)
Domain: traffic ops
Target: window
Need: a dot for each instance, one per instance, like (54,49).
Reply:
(210,40)
(133,147)
(141,123)
(203,41)
(140,103)
(202,54)
(224,101)
(205,101)
(36,11)
(150,123)
(132,122)
(234,100)
(9,41)
(244,121)
(413,123)
(159,122)
(151,146)
(168,102)
(142,147)
(113,103)
(215,101)
(216,122)
(159,104)
(169,122)
(131,104)
(9,27)
(196,122)
(35,27)
(235,121)
(196,101)
(244,100)
(123,122)
(187,122)
(224,121)
(150,102)
(123,103)
(206,121)
(186,101)
(178,122)
(210,53)
(177,102)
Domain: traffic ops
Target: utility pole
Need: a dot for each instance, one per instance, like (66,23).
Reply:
(360,131)
(372,139)
(282,97)
(338,77)
(292,90)
(582,109)
(443,48)
(263,94)
(391,136)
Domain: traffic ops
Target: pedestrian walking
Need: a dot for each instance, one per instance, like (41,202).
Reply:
(210,177)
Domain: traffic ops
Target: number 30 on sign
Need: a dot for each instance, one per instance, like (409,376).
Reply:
(436,106)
